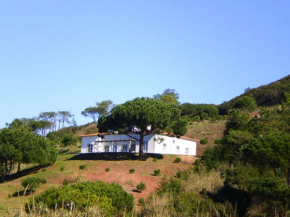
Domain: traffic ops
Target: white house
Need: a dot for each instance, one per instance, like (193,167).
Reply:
(153,143)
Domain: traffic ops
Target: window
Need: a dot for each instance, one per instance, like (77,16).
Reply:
(133,147)
(145,146)
(173,141)
(164,146)
(124,148)
(186,150)
(90,148)
(115,148)
(107,148)
(178,147)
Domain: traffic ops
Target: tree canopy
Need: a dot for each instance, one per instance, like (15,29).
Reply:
(169,96)
(95,112)
(143,116)
(19,146)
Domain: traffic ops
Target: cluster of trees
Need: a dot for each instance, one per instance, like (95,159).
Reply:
(20,146)
(266,95)
(197,112)
(258,153)
(45,122)
(101,108)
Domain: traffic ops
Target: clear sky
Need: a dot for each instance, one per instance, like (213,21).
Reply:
(68,55)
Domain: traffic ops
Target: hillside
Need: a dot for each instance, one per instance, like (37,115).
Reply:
(266,95)
(95,170)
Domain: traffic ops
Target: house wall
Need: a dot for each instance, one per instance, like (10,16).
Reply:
(156,144)
(173,145)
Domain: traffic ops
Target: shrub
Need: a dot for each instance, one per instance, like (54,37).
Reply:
(203,141)
(182,175)
(65,182)
(141,201)
(141,186)
(110,198)
(32,183)
(196,118)
(132,170)
(82,167)
(217,141)
(43,170)
(177,160)
(9,195)
(69,140)
(61,169)
(155,159)
(107,169)
(156,172)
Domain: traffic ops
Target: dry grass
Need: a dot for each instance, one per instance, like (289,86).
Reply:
(208,130)
(210,182)
(159,206)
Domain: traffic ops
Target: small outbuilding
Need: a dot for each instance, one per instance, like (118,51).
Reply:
(153,143)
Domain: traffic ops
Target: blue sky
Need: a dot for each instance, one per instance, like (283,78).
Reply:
(68,55)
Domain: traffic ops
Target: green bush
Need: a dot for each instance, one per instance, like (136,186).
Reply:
(141,201)
(218,141)
(82,167)
(203,141)
(110,198)
(132,170)
(154,159)
(182,175)
(43,170)
(141,186)
(65,182)
(173,186)
(32,183)
(177,160)
(9,195)
(156,172)
(107,169)
(69,140)
(61,169)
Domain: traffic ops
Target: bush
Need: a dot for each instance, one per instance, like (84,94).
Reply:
(32,183)
(69,140)
(141,186)
(203,141)
(183,175)
(61,169)
(156,172)
(141,201)
(65,182)
(177,160)
(107,169)
(110,198)
(218,141)
(9,195)
(132,170)
(82,167)
(154,159)
(43,170)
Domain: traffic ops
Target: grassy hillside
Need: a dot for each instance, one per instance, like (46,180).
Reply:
(95,170)
(206,130)
(266,95)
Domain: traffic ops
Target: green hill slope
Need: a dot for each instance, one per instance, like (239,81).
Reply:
(266,95)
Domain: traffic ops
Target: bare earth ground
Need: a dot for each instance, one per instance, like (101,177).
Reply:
(119,173)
